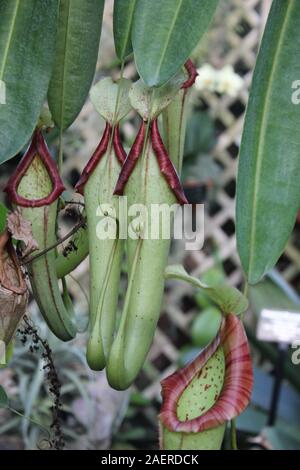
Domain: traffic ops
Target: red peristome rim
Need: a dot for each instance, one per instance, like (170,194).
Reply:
(118,146)
(237,387)
(37,147)
(94,160)
(131,160)
(191,70)
(165,164)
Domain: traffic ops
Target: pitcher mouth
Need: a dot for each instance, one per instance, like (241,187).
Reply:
(37,148)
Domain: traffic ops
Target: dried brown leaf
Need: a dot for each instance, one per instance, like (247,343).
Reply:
(21,230)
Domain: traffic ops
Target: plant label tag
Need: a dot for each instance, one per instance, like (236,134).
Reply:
(278,326)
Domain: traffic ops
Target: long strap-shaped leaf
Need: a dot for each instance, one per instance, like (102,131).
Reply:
(76,55)
(268,195)
(123,17)
(164,34)
(27,45)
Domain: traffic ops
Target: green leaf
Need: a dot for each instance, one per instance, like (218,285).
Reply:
(123,17)
(107,94)
(3,215)
(27,46)
(206,326)
(165,33)
(268,195)
(3,398)
(229,299)
(213,276)
(79,33)
(268,295)
(200,134)
(150,104)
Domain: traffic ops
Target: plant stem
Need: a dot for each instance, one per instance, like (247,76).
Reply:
(118,96)
(234,445)
(81,288)
(60,151)
(54,384)
(30,419)
(114,121)
(147,126)
(245,293)
(58,242)
(246,288)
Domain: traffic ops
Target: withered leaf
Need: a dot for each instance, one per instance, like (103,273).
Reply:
(21,230)
(13,289)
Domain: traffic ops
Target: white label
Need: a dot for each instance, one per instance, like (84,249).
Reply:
(278,326)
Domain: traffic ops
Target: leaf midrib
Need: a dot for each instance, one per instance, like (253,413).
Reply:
(62,96)
(10,35)
(127,34)
(165,48)
(260,146)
